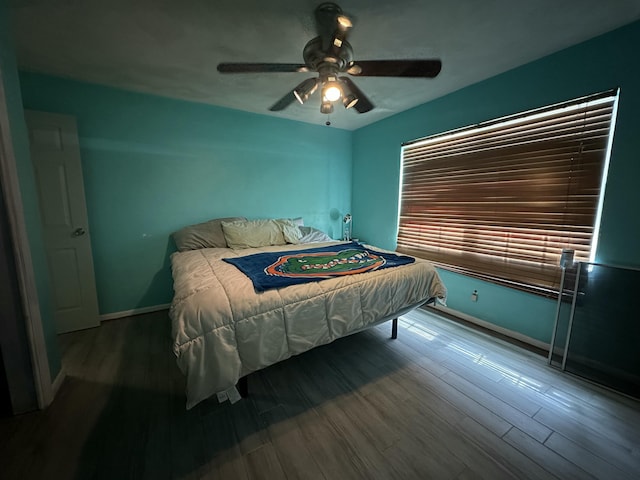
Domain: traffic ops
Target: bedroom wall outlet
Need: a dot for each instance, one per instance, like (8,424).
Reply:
(474,296)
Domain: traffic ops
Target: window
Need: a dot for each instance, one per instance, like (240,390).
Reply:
(501,199)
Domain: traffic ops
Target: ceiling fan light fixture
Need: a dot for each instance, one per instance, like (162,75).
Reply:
(326,108)
(305,90)
(349,100)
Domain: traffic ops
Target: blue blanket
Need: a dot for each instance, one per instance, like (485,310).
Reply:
(281,269)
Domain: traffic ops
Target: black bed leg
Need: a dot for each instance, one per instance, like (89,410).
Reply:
(394,328)
(243,386)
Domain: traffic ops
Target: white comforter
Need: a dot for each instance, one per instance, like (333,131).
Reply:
(223,329)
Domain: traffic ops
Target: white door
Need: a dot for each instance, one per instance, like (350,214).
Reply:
(55,154)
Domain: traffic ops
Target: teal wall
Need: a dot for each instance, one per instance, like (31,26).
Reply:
(599,64)
(28,192)
(153,165)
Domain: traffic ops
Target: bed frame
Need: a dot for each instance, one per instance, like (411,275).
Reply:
(243,382)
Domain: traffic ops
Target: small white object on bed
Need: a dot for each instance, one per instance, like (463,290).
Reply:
(223,330)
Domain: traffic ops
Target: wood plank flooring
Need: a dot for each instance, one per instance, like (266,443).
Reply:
(441,402)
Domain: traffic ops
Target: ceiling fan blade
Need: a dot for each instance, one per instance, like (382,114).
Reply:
(396,68)
(364,104)
(261,67)
(284,102)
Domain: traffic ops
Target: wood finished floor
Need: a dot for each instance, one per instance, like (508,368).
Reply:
(440,402)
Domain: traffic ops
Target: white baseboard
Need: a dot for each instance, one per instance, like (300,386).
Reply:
(135,311)
(496,328)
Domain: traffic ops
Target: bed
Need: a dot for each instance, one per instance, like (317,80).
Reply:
(223,328)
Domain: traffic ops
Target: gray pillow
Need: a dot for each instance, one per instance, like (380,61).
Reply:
(203,235)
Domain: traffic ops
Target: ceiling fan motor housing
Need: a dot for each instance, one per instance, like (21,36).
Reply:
(314,55)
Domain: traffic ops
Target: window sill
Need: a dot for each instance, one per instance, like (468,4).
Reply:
(523,287)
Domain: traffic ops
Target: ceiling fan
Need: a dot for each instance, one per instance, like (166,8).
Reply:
(329,54)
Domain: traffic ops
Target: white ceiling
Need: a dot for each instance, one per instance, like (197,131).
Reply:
(172,47)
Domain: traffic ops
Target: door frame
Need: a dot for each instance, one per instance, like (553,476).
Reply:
(24,262)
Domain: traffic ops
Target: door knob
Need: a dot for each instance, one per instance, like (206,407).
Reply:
(78,232)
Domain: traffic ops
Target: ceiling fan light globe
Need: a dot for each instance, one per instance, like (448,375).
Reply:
(326,108)
(332,93)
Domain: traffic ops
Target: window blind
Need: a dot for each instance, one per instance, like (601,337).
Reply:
(502,199)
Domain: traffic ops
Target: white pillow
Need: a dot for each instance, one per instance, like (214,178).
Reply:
(313,235)
(290,230)
(253,233)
